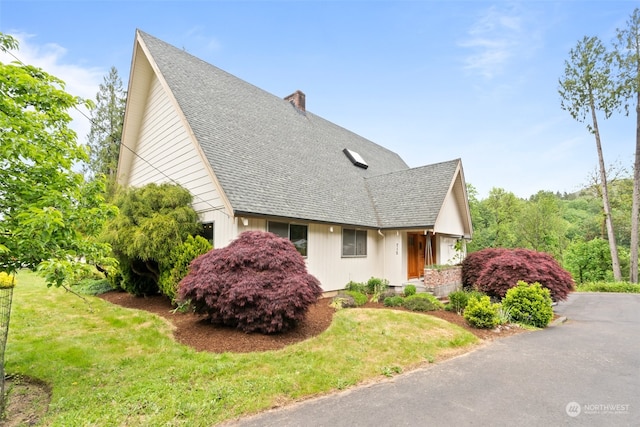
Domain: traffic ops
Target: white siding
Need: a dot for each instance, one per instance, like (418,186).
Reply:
(170,155)
(324,255)
(166,153)
(394,256)
(450,219)
(447,254)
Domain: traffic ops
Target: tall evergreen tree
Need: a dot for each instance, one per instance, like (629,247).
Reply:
(586,88)
(106,129)
(627,53)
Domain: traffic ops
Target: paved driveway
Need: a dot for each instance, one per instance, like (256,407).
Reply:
(583,372)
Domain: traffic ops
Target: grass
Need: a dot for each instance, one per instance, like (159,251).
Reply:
(107,365)
(620,287)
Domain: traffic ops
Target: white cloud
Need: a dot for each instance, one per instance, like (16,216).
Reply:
(495,39)
(80,80)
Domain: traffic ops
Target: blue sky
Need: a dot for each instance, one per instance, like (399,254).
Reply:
(431,80)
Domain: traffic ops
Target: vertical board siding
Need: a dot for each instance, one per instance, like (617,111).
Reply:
(450,220)
(324,255)
(166,153)
(395,269)
(325,259)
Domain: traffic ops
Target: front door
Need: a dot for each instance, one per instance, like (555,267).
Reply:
(415,255)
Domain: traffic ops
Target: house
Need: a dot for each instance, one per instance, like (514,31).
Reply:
(255,161)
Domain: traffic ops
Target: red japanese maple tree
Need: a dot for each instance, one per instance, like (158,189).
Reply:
(258,283)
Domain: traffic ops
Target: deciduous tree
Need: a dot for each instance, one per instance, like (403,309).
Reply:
(47,210)
(259,282)
(627,53)
(586,88)
(541,226)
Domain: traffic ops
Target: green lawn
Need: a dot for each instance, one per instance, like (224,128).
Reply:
(619,287)
(108,365)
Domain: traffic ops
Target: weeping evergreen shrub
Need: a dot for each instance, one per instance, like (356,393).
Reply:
(258,283)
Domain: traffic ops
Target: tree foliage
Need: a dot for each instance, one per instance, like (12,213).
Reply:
(106,128)
(259,282)
(475,262)
(495,220)
(47,210)
(153,220)
(505,269)
(589,261)
(541,225)
(627,55)
(586,88)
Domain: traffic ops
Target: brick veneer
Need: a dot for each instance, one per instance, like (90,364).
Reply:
(444,280)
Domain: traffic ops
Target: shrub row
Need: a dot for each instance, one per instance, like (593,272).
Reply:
(529,304)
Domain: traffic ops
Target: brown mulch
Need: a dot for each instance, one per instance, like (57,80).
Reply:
(197,332)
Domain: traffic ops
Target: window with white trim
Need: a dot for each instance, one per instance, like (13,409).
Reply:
(354,242)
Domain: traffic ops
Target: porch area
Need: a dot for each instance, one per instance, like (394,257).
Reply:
(439,281)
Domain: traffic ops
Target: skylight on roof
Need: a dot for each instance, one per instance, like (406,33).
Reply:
(355,158)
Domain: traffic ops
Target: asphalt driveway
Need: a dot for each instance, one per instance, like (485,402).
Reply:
(583,372)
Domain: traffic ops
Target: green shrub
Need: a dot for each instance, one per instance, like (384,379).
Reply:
(422,302)
(481,312)
(376,287)
(375,284)
(395,301)
(458,300)
(356,286)
(409,290)
(358,297)
(529,304)
(180,259)
(609,287)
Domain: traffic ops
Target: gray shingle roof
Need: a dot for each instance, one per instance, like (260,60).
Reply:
(411,197)
(271,159)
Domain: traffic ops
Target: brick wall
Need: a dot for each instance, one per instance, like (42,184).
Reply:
(441,282)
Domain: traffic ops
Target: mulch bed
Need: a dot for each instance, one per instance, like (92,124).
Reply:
(199,333)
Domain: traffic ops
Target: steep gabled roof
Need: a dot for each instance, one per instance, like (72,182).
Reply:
(413,197)
(273,159)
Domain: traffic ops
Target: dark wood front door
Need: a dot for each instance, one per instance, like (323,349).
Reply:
(415,255)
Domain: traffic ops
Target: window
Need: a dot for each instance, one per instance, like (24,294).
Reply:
(295,232)
(207,231)
(354,242)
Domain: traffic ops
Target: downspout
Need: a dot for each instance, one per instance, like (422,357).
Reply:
(384,252)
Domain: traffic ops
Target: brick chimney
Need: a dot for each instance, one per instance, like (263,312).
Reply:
(297,99)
